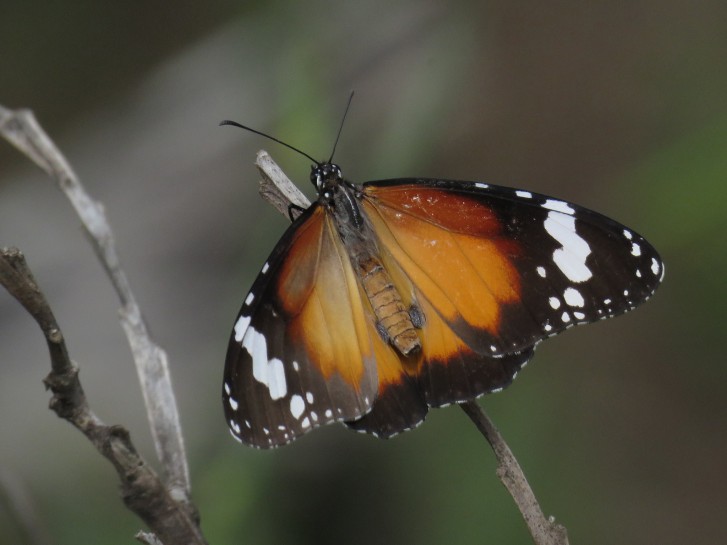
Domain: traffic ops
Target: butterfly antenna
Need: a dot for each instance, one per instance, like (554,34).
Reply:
(345,113)
(236,124)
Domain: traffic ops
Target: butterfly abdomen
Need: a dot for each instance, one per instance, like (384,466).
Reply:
(393,320)
(392,317)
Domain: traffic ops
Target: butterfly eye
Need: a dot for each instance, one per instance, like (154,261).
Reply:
(325,174)
(316,176)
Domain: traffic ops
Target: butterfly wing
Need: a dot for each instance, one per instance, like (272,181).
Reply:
(300,355)
(491,270)
(507,268)
(444,372)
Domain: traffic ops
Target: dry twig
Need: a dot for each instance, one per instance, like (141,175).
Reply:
(164,506)
(279,191)
(544,531)
(142,491)
(22,130)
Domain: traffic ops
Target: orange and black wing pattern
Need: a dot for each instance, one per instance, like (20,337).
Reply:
(495,271)
(507,268)
(475,276)
(300,355)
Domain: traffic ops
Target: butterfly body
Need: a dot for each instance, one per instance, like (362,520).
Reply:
(393,320)
(386,299)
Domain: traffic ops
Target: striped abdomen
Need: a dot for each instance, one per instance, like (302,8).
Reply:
(392,317)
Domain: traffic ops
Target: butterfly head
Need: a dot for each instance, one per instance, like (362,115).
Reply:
(326,177)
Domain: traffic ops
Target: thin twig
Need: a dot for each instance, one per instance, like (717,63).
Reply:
(164,506)
(22,130)
(279,191)
(142,491)
(276,188)
(544,531)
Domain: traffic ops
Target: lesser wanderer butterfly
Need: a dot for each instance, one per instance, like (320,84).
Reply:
(384,299)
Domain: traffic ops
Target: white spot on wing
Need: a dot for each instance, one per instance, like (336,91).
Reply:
(241,327)
(635,249)
(309,397)
(558,206)
(571,258)
(554,302)
(481,185)
(573,297)
(329,413)
(541,271)
(271,373)
(233,403)
(265,268)
(227,388)
(654,265)
(250,298)
(524,194)
(565,317)
(579,315)
(628,234)
(305,423)
(297,405)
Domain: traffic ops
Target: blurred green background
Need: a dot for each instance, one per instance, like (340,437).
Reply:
(619,106)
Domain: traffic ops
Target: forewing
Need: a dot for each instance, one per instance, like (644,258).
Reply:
(506,268)
(300,355)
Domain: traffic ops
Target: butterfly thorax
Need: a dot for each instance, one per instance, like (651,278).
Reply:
(394,322)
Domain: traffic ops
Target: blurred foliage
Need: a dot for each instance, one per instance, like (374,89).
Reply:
(620,107)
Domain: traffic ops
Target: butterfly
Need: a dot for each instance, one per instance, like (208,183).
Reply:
(386,299)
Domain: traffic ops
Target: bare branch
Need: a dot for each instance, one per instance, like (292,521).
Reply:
(276,188)
(22,130)
(279,191)
(142,491)
(544,531)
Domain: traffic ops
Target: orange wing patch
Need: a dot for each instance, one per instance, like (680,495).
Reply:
(320,295)
(452,249)
(444,371)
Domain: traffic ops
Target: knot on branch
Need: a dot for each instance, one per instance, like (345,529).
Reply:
(55,336)
(68,399)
